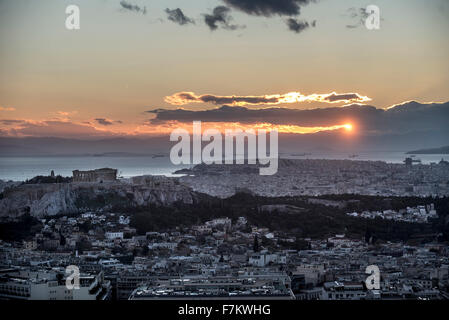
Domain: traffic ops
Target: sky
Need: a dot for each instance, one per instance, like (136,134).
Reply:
(131,57)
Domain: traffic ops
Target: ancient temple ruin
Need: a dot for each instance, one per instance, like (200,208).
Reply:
(97,175)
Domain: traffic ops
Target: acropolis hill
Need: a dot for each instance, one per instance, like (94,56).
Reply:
(80,196)
(101,190)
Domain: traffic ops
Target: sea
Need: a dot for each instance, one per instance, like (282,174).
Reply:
(22,168)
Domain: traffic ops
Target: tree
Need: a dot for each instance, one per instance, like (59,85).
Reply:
(60,278)
(256,244)
(62,240)
(145,250)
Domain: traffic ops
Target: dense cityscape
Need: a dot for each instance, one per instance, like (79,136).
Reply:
(227,257)
(317,177)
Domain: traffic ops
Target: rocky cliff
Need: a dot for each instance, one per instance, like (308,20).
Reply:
(50,199)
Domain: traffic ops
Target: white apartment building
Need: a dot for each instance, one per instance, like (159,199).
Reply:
(26,285)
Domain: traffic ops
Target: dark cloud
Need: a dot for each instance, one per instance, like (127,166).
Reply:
(104,122)
(298,26)
(368,119)
(177,16)
(268,8)
(285,116)
(132,7)
(188,97)
(8,122)
(230,100)
(208,98)
(338,97)
(220,17)
(52,128)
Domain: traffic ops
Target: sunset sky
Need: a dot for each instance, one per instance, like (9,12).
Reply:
(134,56)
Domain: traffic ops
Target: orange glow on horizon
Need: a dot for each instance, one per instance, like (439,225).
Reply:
(166,128)
(67,128)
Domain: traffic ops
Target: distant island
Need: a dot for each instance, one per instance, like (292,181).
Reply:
(441,150)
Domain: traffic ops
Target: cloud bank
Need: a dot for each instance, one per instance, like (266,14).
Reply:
(50,128)
(407,117)
(184,98)
(269,8)
(410,119)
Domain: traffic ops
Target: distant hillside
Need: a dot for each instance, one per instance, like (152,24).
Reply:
(441,150)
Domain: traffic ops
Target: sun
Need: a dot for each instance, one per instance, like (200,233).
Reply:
(348,127)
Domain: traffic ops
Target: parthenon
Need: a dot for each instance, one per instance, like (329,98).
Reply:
(97,175)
